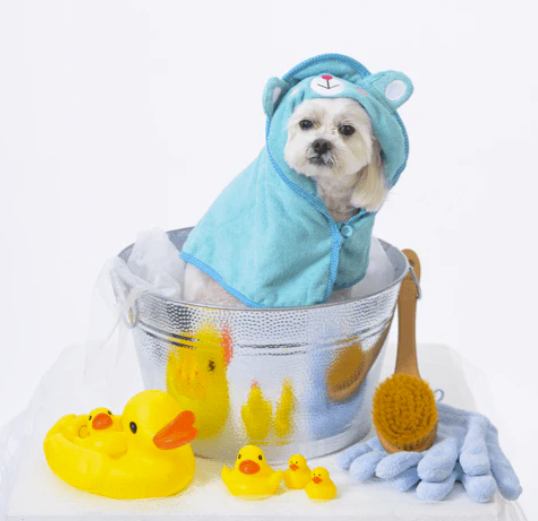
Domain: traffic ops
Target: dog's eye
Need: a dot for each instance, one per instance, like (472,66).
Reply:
(346,130)
(305,124)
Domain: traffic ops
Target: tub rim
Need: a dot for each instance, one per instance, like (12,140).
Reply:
(122,255)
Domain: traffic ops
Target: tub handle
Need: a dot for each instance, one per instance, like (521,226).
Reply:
(127,311)
(132,316)
(416,281)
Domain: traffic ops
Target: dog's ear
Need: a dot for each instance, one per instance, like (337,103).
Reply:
(394,87)
(371,190)
(272,94)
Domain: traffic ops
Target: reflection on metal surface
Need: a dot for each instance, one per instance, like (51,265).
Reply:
(257,415)
(196,376)
(351,365)
(285,412)
(316,367)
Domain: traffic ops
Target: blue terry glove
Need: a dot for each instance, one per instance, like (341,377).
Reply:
(466,450)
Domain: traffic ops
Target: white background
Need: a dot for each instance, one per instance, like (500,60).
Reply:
(118,116)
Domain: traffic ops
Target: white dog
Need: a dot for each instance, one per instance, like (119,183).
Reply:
(332,142)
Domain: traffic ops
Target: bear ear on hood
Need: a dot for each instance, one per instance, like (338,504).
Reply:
(272,94)
(394,87)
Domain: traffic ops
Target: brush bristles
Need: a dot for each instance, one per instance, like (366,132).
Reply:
(404,411)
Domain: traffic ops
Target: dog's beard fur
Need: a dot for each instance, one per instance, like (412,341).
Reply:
(350,175)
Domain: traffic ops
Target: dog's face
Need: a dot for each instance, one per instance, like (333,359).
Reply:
(330,137)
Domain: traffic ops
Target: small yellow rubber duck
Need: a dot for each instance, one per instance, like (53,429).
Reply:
(158,461)
(298,474)
(71,425)
(100,420)
(102,431)
(321,485)
(251,476)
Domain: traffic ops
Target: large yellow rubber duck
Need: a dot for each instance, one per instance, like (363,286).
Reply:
(251,476)
(298,474)
(158,461)
(321,485)
(196,377)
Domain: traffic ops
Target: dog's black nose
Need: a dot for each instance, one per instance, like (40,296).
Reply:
(321,146)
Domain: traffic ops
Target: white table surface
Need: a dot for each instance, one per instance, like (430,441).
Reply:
(38,495)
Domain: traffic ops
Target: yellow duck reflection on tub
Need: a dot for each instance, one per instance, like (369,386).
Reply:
(158,460)
(251,476)
(196,376)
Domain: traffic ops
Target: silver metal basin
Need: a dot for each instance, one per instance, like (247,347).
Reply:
(290,380)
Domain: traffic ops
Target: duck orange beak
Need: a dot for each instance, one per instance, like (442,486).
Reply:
(249,467)
(102,421)
(293,467)
(178,432)
(317,480)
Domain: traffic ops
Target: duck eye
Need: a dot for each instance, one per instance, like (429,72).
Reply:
(305,124)
(211,365)
(239,456)
(110,413)
(133,427)
(346,130)
(89,417)
(260,457)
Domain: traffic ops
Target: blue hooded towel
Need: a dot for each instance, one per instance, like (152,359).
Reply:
(268,239)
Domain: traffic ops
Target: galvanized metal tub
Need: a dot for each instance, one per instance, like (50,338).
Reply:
(291,380)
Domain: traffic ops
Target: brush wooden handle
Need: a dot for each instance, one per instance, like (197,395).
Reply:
(406,359)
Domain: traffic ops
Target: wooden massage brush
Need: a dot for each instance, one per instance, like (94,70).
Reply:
(405,415)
